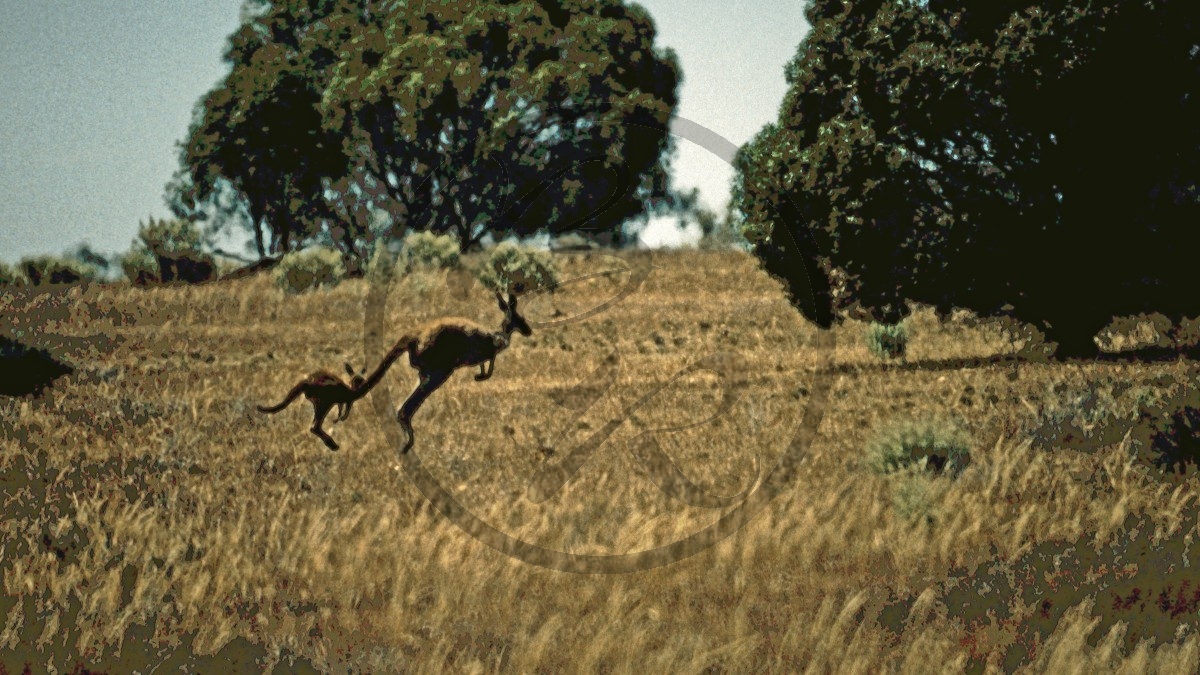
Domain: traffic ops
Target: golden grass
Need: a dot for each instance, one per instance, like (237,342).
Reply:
(157,518)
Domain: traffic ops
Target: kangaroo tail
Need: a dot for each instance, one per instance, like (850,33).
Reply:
(405,344)
(292,396)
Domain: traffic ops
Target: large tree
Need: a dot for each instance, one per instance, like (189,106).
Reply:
(470,117)
(1039,160)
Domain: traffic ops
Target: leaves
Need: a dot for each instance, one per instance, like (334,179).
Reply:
(451,117)
(953,154)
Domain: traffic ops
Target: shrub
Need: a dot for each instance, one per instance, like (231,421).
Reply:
(915,496)
(167,237)
(1099,416)
(187,267)
(11,275)
(887,341)
(167,251)
(426,249)
(300,271)
(512,268)
(381,266)
(140,266)
(51,270)
(924,444)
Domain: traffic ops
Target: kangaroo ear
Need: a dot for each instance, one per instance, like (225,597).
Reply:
(349,368)
(500,299)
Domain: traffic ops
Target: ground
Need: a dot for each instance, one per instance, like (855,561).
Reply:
(157,518)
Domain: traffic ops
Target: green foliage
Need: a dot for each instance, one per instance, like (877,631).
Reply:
(11,275)
(52,270)
(922,444)
(381,266)
(168,251)
(140,266)
(311,268)
(170,237)
(512,268)
(85,255)
(719,232)
(476,110)
(922,147)
(1101,415)
(430,250)
(887,341)
(915,495)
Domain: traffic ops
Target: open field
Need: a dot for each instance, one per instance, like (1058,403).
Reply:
(154,518)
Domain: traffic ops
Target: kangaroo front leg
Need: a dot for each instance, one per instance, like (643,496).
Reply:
(428,384)
(485,370)
(318,419)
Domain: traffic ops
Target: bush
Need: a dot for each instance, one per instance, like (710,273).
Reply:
(887,341)
(300,271)
(517,269)
(915,496)
(51,270)
(167,251)
(381,266)
(11,275)
(429,250)
(921,444)
(170,237)
(140,266)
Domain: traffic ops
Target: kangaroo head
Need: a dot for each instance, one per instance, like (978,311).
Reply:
(513,322)
(357,379)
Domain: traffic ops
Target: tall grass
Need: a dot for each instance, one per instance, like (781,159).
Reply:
(156,516)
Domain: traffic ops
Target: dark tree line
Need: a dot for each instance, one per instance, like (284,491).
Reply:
(1038,160)
(468,118)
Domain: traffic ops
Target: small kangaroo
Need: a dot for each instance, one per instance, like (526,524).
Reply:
(324,390)
(444,345)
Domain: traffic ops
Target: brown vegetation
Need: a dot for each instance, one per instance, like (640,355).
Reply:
(156,519)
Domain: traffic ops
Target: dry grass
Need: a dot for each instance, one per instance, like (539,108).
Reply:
(157,519)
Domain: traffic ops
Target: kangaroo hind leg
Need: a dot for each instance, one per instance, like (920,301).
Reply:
(428,384)
(320,410)
(485,370)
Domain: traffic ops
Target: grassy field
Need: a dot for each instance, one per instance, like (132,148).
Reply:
(155,519)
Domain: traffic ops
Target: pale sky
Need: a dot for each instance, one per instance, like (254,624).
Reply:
(95,94)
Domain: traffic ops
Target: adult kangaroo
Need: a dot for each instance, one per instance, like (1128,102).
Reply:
(444,345)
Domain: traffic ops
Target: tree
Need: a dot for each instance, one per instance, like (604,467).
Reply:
(968,154)
(467,118)
(257,142)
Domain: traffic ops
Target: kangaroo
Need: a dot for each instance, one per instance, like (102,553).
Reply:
(444,345)
(324,390)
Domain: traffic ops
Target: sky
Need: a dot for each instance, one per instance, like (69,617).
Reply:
(96,94)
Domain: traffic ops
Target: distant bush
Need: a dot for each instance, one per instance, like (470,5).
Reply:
(167,237)
(915,496)
(922,444)
(89,257)
(300,271)
(140,266)
(11,275)
(167,251)
(52,270)
(512,268)
(381,266)
(429,250)
(887,341)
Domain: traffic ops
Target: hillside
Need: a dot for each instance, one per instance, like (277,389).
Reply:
(157,518)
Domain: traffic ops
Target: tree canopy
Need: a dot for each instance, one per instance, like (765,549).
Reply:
(1038,160)
(462,117)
